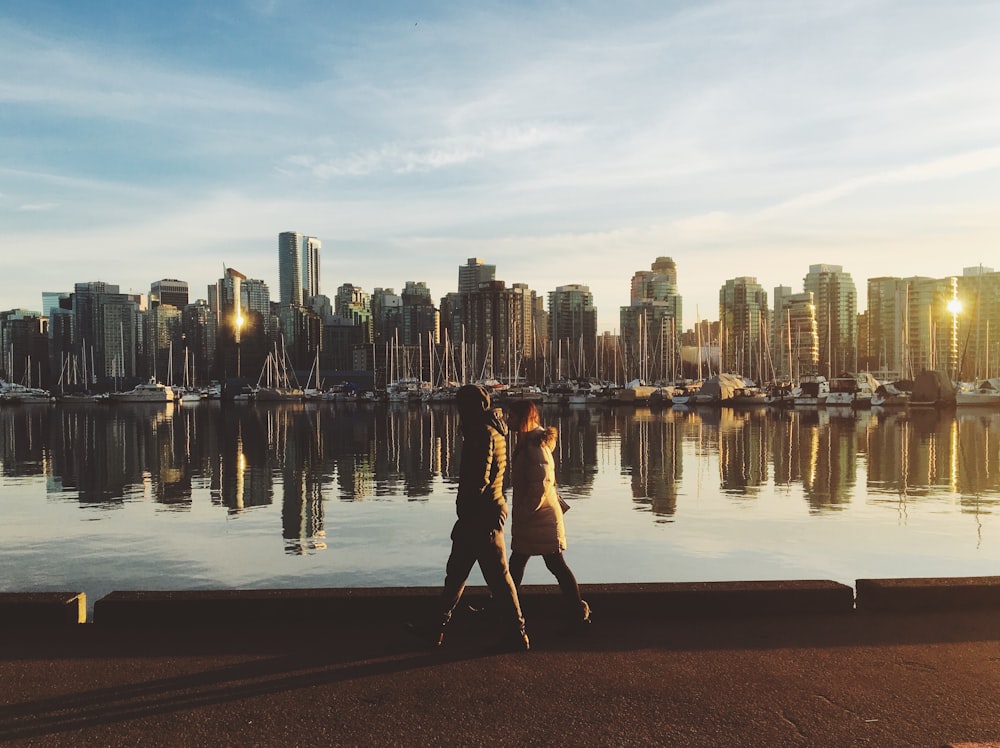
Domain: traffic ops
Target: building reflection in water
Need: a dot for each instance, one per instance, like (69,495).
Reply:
(239,457)
(651,456)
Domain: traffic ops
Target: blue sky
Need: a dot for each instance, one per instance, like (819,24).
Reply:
(563,142)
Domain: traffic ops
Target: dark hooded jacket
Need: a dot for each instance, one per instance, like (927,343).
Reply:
(484,460)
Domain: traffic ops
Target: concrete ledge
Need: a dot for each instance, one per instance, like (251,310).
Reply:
(261,607)
(928,594)
(32,609)
(335,606)
(722,599)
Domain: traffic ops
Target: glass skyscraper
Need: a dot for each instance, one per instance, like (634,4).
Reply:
(290,268)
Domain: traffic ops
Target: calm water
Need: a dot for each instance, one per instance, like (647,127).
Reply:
(98,497)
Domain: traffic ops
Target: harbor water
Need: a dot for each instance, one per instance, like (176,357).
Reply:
(96,498)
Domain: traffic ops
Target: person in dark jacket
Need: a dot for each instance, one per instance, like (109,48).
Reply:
(478,534)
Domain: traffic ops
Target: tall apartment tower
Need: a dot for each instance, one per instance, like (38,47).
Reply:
(526,323)
(108,323)
(913,326)
(794,340)
(290,268)
(836,301)
(979,323)
(420,317)
(573,330)
(310,267)
(743,321)
(474,272)
(651,323)
(242,308)
(470,276)
(490,322)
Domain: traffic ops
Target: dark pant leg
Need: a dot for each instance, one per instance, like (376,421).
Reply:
(464,552)
(555,563)
(493,564)
(518,562)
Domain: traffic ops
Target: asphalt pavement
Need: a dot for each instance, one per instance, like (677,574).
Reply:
(853,679)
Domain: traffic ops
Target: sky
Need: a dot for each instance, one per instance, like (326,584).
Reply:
(562,142)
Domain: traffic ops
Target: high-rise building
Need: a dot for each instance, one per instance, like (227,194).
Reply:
(290,253)
(168,291)
(743,320)
(525,335)
(979,324)
(108,326)
(164,343)
(349,299)
(490,317)
(243,312)
(573,330)
(24,341)
(651,324)
(836,303)
(52,300)
(420,318)
(913,325)
(301,332)
(474,273)
(311,247)
(256,299)
(887,314)
(200,326)
(659,283)
(794,340)
(387,315)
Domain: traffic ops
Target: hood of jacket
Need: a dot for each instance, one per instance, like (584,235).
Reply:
(473,402)
(475,409)
(544,437)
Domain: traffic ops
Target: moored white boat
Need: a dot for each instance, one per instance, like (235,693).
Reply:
(18,394)
(851,390)
(811,392)
(985,395)
(145,392)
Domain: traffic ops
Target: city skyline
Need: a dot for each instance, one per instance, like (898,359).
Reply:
(565,145)
(688,317)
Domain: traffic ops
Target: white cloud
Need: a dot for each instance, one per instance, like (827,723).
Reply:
(950,167)
(37,207)
(439,153)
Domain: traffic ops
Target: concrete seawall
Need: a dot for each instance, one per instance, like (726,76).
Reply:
(662,601)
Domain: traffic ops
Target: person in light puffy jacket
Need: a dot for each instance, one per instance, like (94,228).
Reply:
(537,527)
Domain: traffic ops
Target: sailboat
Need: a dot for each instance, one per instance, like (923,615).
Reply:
(189,393)
(23,394)
(312,390)
(274,383)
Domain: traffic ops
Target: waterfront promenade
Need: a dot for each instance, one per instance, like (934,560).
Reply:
(772,664)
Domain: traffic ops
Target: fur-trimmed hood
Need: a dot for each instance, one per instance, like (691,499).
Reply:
(543,437)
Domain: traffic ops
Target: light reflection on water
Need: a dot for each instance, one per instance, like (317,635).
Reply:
(97,498)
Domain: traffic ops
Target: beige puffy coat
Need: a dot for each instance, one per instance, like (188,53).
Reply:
(536,519)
